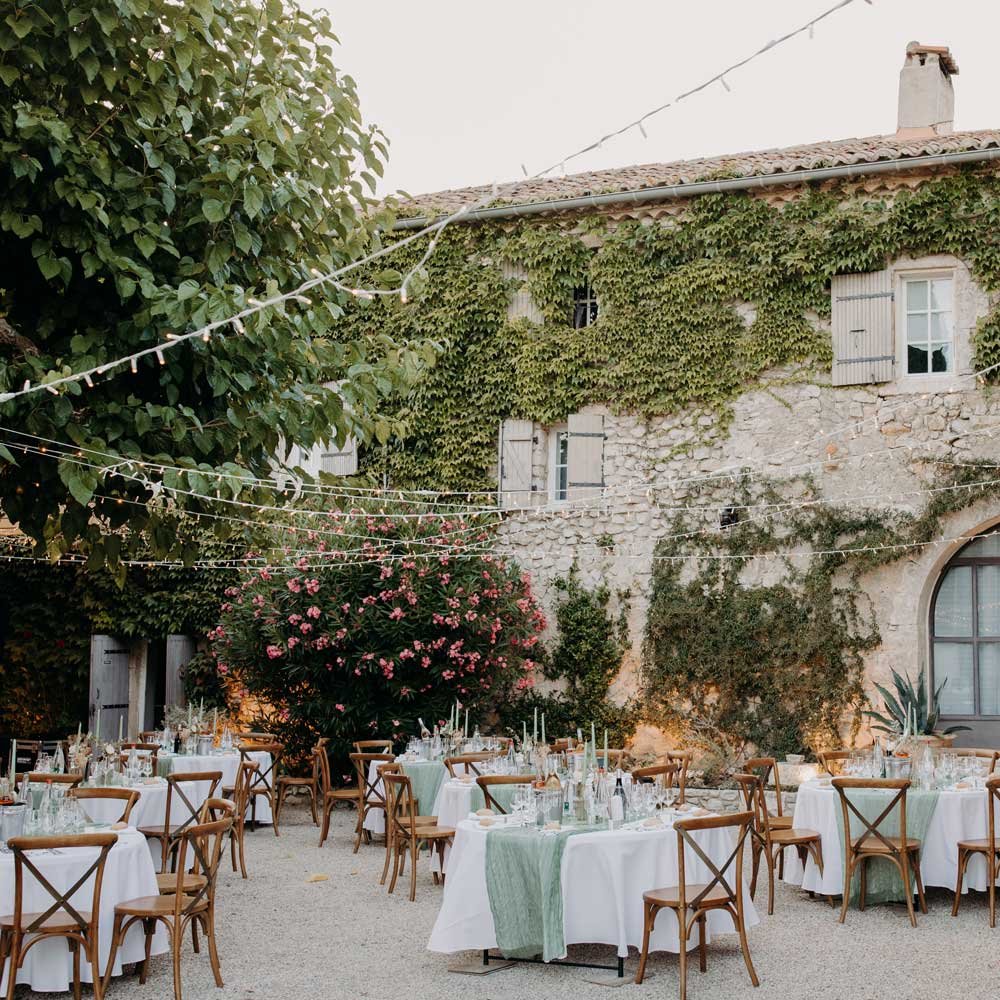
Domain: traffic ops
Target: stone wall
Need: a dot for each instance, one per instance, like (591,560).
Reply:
(860,442)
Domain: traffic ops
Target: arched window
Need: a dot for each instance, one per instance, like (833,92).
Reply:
(965,632)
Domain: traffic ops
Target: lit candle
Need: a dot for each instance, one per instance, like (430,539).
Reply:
(543,729)
(524,734)
(79,731)
(121,719)
(97,731)
(12,773)
(534,732)
(593,737)
(189,716)
(466,723)
(606,749)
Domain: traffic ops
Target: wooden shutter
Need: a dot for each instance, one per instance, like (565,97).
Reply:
(521,305)
(339,462)
(516,442)
(585,461)
(864,348)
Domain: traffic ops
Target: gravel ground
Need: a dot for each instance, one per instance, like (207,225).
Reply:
(282,937)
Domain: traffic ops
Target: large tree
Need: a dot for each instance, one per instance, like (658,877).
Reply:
(161,163)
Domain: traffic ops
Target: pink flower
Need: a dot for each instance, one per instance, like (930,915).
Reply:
(274,652)
(305,628)
(313,612)
(339,707)
(312,586)
(294,586)
(292,642)
(397,614)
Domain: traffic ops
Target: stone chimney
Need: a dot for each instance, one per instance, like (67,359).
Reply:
(926,97)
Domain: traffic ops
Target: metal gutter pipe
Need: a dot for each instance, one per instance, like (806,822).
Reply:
(672,192)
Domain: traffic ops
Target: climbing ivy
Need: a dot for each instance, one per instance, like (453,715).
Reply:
(740,658)
(693,311)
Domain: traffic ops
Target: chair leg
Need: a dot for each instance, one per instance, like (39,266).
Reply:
(213,951)
(93,955)
(397,850)
(232,846)
(756,868)
(770,882)
(242,845)
(682,929)
(920,883)
(149,929)
(413,869)
(327,809)
(13,964)
(388,854)
(848,872)
(359,829)
(903,864)
(991,872)
(194,937)
(745,948)
(175,947)
(74,947)
(959,881)
(312,805)
(649,918)
(702,957)
(279,801)
(274,815)
(863,898)
(116,930)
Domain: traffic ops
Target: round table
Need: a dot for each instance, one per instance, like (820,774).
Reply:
(960,814)
(228,764)
(128,874)
(604,875)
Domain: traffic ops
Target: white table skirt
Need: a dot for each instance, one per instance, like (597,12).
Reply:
(375,820)
(228,764)
(128,874)
(958,815)
(604,875)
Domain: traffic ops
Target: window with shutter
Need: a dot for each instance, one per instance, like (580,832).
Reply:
(516,442)
(864,348)
(521,305)
(339,462)
(585,456)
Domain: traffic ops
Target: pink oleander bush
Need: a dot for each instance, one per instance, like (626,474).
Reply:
(360,638)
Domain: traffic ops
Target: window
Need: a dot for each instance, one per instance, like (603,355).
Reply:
(584,306)
(929,327)
(965,631)
(559,463)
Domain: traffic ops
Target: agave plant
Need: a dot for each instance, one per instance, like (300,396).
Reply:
(910,705)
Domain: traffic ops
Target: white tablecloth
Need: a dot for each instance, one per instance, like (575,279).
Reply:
(958,815)
(228,764)
(604,875)
(128,874)
(375,820)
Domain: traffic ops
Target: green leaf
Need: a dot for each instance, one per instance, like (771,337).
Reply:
(214,210)
(187,289)
(253,199)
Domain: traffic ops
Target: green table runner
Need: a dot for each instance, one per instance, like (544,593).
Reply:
(524,885)
(504,794)
(884,882)
(425,780)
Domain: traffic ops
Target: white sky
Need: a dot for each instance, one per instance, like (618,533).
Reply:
(468,90)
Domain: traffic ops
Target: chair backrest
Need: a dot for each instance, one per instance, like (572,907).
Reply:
(766,768)
(180,786)
(262,782)
(150,750)
(216,808)
(752,790)
(561,746)
(682,758)
(373,746)
(148,735)
(657,774)
(733,888)
(241,789)
(871,827)
(486,780)
(255,737)
(41,777)
(371,795)
(61,901)
(615,757)
(203,842)
(129,796)
(401,807)
(992,804)
(832,760)
(466,762)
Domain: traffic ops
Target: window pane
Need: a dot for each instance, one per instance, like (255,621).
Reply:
(916,328)
(987,546)
(940,326)
(953,662)
(916,295)
(916,360)
(940,357)
(989,678)
(988,600)
(953,606)
(941,293)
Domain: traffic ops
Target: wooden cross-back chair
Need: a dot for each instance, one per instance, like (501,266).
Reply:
(664,775)
(832,761)
(373,746)
(614,759)
(181,787)
(696,899)
(129,796)
(682,758)
(404,833)
(766,768)
(241,800)
(151,750)
(466,762)
(21,931)
(200,847)
(27,749)
(487,781)
(771,843)
(330,796)
(251,737)
(370,792)
(988,848)
(982,754)
(43,777)
(310,784)
(263,782)
(395,768)
(902,851)
(167,882)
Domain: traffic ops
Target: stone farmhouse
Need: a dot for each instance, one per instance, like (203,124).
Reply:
(896,398)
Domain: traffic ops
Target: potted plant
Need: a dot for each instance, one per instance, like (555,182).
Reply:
(913,712)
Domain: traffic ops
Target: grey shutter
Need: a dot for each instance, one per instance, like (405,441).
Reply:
(180,649)
(342,462)
(521,305)
(864,348)
(585,461)
(516,442)
(109,674)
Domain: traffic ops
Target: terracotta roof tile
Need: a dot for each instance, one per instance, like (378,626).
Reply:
(767,161)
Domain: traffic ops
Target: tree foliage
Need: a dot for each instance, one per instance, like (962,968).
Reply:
(161,164)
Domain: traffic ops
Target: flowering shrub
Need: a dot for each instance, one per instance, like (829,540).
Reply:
(353,641)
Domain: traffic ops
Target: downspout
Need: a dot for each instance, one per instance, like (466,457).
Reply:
(672,192)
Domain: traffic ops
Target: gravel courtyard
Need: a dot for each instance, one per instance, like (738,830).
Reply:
(282,937)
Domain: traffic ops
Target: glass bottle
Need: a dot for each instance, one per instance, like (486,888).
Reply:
(59,760)
(618,803)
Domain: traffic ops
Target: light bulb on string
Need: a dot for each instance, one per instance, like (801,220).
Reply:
(134,366)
